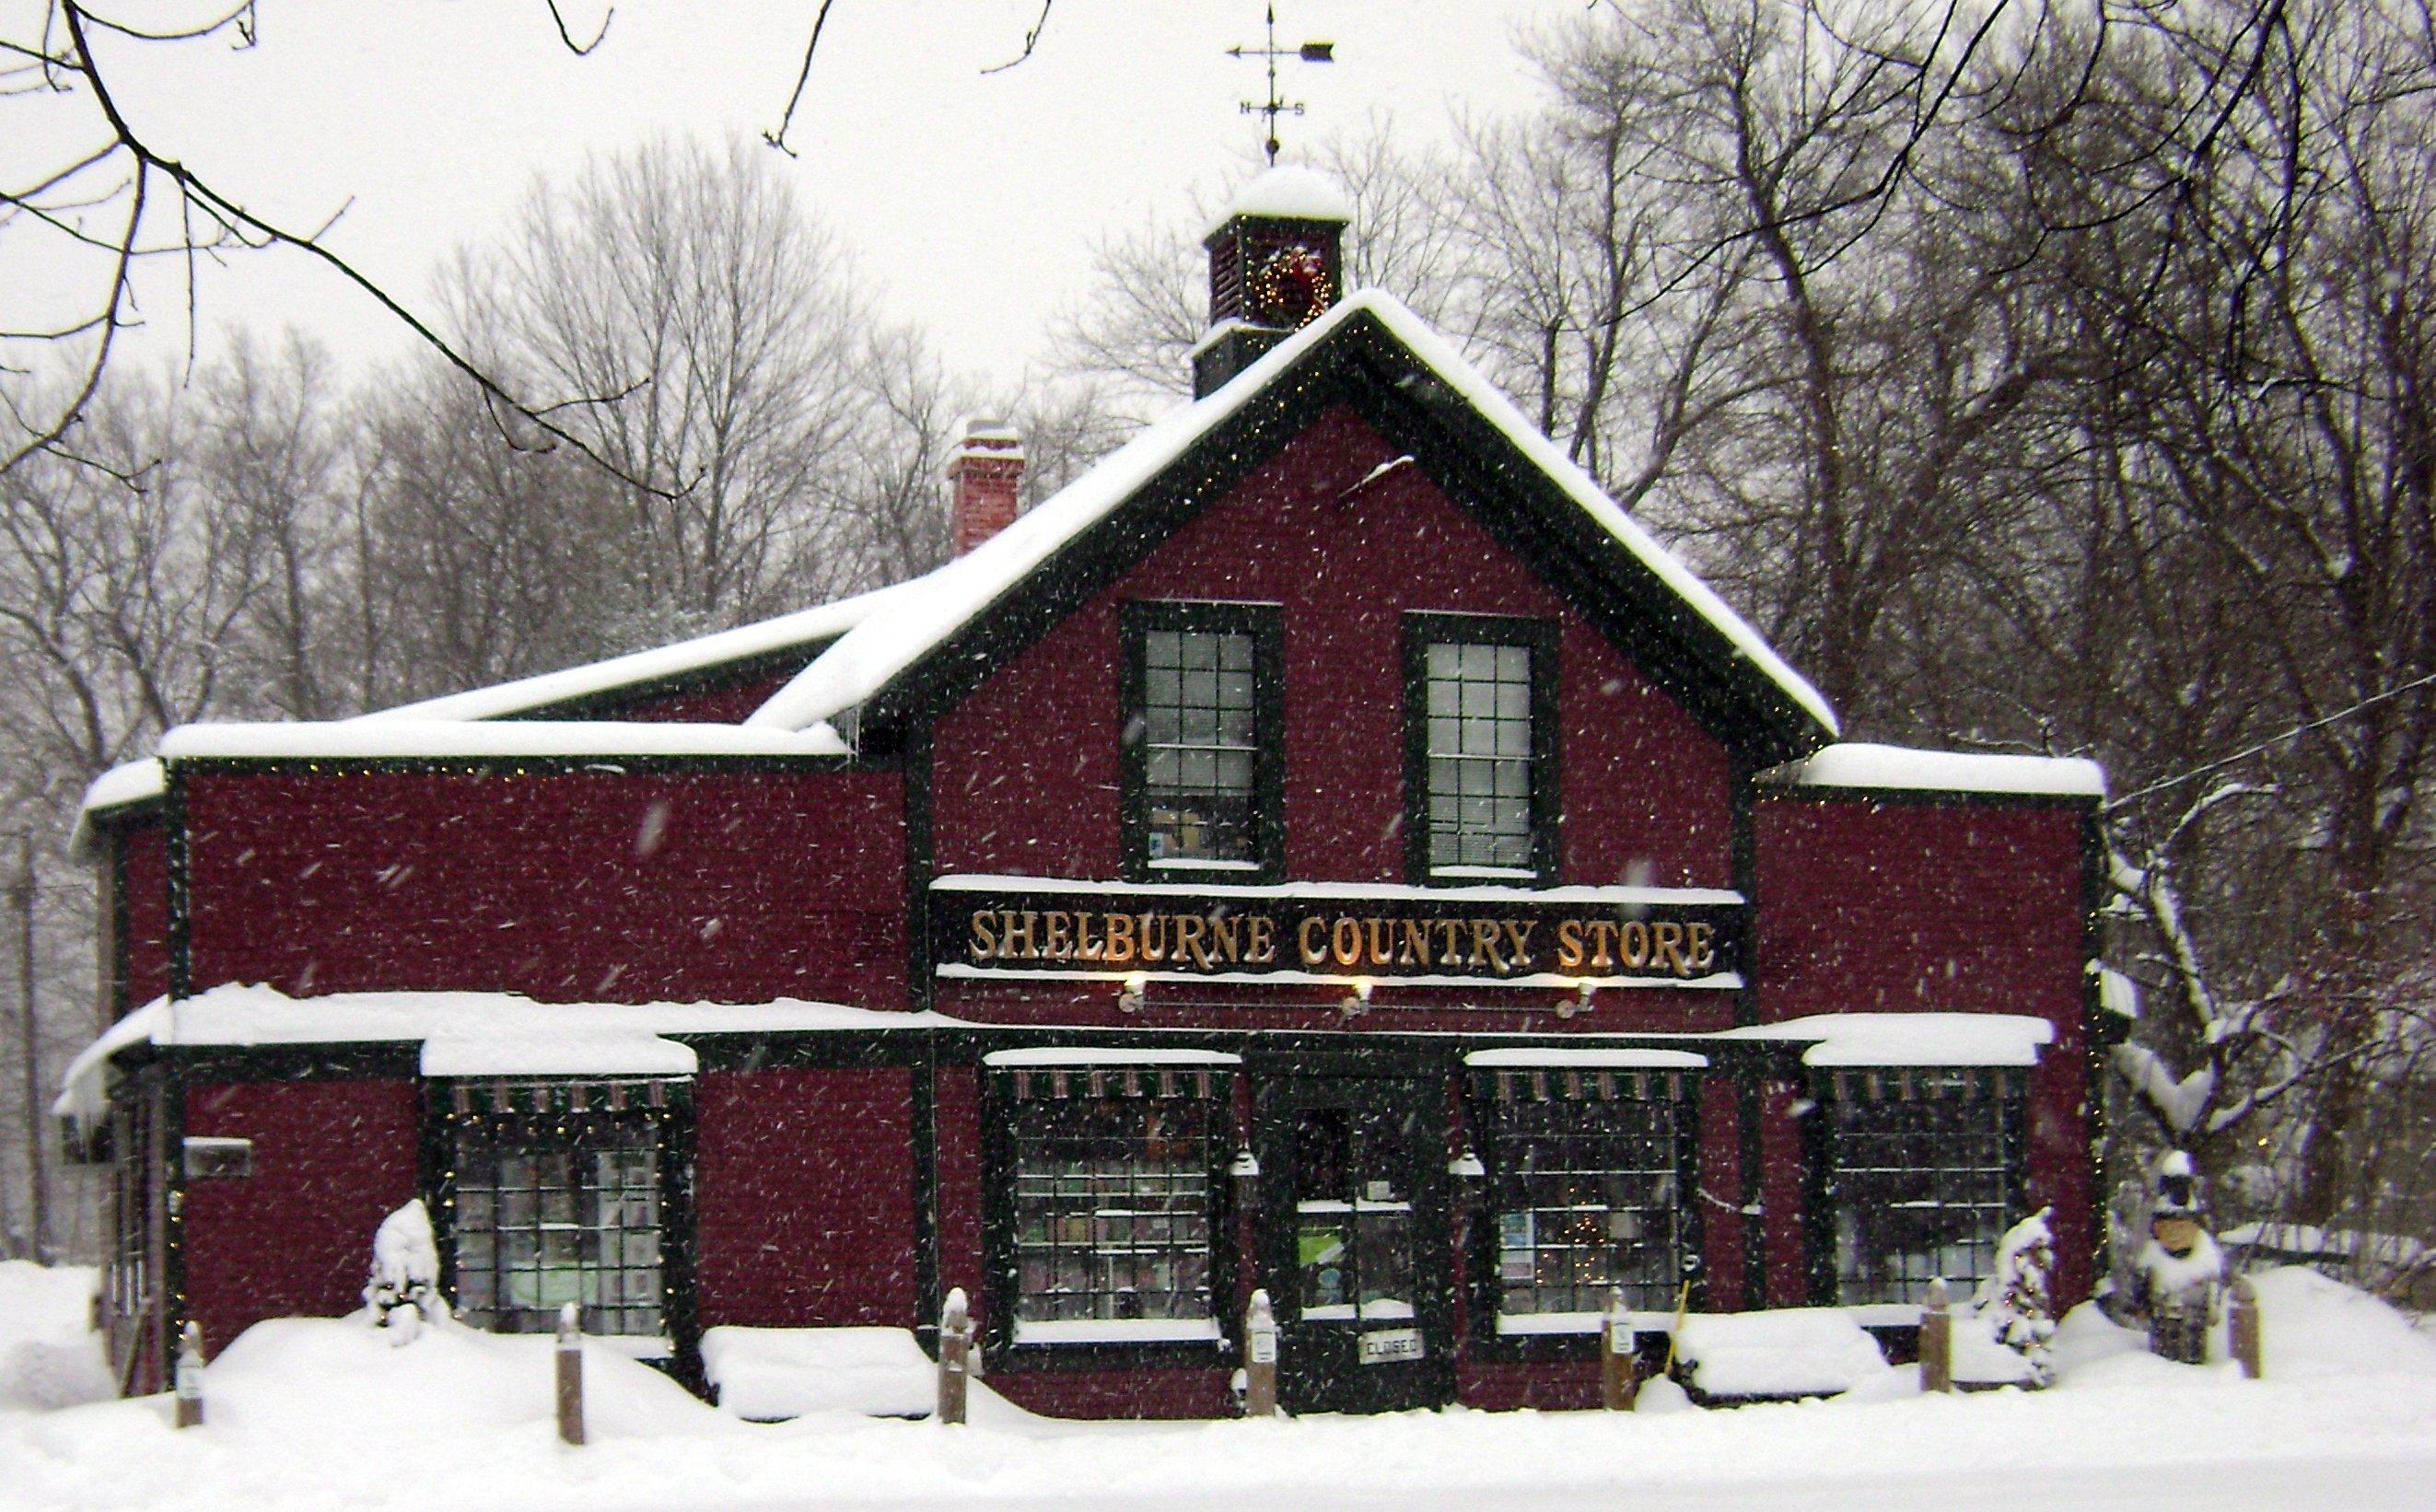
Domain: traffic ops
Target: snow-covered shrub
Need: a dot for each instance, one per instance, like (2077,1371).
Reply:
(404,1291)
(2016,1303)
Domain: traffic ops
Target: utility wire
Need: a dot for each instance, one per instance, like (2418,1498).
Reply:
(2272,741)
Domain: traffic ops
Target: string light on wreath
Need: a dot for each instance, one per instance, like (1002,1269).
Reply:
(1293,285)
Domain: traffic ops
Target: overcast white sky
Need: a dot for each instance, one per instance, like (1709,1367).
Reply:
(975,200)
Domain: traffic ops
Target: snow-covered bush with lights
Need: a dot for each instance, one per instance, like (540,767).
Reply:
(404,1291)
(2016,1303)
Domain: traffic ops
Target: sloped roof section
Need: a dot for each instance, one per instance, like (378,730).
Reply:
(897,639)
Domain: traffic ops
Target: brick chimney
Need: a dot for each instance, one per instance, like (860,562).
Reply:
(983,469)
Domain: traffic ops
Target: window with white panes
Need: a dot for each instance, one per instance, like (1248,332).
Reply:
(1115,1178)
(1479,767)
(1201,762)
(555,1196)
(1923,1171)
(1586,1185)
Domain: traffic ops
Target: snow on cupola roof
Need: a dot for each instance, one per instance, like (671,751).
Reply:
(915,634)
(1288,193)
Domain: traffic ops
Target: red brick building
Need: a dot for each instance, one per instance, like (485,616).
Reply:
(1331,847)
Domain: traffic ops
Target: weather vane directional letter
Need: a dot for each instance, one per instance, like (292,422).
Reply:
(1269,110)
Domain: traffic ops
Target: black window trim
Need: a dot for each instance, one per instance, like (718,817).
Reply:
(1265,624)
(1425,628)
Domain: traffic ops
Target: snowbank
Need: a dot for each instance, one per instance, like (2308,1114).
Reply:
(1790,1352)
(765,1375)
(50,1355)
(318,1414)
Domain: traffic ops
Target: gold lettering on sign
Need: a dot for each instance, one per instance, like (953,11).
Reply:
(1365,944)
(1700,947)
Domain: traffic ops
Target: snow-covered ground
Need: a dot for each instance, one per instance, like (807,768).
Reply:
(321,1412)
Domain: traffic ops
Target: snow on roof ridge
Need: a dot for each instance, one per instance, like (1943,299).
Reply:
(342,739)
(1864,764)
(817,622)
(898,634)
(1287,191)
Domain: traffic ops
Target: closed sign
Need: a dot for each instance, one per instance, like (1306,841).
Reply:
(1391,1344)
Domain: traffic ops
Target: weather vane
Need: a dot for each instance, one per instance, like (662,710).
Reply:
(1269,110)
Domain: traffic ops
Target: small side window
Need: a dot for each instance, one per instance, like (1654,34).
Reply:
(215,1159)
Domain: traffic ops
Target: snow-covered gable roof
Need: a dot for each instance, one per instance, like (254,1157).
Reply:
(873,658)
(807,629)
(1895,768)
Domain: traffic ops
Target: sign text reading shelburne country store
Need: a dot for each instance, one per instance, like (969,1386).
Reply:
(1577,933)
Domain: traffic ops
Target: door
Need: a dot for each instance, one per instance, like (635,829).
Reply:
(1359,1264)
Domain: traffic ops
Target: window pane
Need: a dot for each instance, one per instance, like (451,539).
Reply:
(1586,1199)
(1478,741)
(1200,730)
(575,1219)
(1113,1197)
(1922,1188)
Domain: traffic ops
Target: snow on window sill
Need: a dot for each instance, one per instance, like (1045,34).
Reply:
(1193,863)
(1381,1308)
(1502,873)
(1118,1331)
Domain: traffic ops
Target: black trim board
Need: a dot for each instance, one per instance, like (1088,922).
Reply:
(1483,470)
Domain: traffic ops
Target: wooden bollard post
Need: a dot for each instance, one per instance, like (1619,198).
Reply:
(955,1355)
(570,1376)
(2242,1324)
(1259,1358)
(190,1376)
(1936,1340)
(1619,1384)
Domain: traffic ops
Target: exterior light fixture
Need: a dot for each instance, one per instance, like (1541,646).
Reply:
(1467,1165)
(1137,989)
(1357,1002)
(1246,1164)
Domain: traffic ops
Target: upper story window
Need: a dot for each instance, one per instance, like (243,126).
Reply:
(1480,777)
(1202,770)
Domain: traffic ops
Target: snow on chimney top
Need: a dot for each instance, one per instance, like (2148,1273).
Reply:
(984,467)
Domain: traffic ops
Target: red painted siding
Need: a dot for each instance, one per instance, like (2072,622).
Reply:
(958,1109)
(1550,1386)
(331,1159)
(805,1198)
(1720,1193)
(735,887)
(1785,1246)
(1026,770)
(1875,906)
(143,872)
(1121,1393)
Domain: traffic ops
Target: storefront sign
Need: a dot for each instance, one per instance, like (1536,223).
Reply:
(1384,1345)
(1412,936)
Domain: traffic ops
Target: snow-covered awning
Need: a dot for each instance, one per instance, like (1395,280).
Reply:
(513,1052)
(1587,1058)
(1909,1040)
(462,1034)
(1107,1055)
(1859,764)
